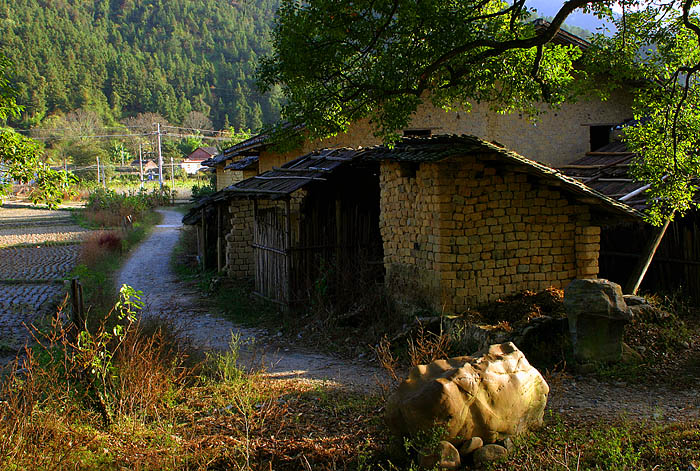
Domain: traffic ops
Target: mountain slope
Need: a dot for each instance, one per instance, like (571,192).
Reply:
(122,57)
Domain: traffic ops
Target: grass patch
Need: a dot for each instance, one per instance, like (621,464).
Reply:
(566,445)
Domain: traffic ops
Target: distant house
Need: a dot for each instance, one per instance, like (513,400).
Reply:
(193,162)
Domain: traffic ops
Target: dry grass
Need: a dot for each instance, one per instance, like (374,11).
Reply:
(167,414)
(99,244)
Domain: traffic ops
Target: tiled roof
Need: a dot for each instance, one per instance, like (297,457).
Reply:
(317,166)
(246,146)
(293,175)
(562,36)
(243,164)
(607,170)
(437,148)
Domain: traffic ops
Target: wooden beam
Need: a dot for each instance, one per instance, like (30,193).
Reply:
(641,269)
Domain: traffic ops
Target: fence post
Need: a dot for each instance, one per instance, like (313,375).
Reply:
(77,306)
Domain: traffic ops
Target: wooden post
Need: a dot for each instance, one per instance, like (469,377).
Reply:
(219,260)
(204,239)
(338,233)
(288,250)
(643,265)
(77,307)
(140,165)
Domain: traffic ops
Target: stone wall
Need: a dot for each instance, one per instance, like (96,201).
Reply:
(558,136)
(239,250)
(462,232)
(226,178)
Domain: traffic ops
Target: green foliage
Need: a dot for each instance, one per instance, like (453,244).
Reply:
(134,204)
(21,155)
(8,93)
(340,62)
(189,144)
(656,57)
(122,58)
(205,189)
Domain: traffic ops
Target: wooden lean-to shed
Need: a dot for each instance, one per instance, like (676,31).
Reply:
(676,264)
(315,224)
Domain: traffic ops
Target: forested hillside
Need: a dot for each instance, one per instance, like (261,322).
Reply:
(124,57)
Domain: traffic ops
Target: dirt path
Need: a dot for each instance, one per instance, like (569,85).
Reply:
(148,269)
(586,399)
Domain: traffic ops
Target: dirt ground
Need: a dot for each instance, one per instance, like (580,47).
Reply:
(584,398)
(149,270)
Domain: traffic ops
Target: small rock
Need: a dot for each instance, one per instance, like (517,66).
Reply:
(470,446)
(488,453)
(508,444)
(685,345)
(445,457)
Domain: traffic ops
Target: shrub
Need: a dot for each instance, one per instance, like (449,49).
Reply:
(107,208)
(205,189)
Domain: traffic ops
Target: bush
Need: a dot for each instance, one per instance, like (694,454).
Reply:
(200,191)
(98,245)
(107,208)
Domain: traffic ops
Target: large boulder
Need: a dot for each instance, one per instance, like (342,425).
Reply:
(492,395)
(597,315)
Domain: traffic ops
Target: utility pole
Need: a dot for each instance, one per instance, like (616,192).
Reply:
(172,178)
(160,158)
(98,169)
(140,166)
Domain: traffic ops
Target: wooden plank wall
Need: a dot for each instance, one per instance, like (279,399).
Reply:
(676,265)
(271,253)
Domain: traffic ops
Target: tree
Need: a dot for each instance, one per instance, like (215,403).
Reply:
(197,120)
(20,155)
(338,62)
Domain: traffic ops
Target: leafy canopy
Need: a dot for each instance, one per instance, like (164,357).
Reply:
(656,52)
(338,62)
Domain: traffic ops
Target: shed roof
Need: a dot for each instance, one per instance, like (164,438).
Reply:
(290,177)
(249,145)
(316,166)
(607,170)
(433,149)
(243,164)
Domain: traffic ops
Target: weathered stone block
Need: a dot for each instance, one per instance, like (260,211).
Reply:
(597,315)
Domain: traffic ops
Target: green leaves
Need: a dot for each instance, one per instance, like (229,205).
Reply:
(657,58)
(338,62)
(22,157)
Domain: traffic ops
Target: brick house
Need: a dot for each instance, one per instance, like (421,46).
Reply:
(455,220)
(556,138)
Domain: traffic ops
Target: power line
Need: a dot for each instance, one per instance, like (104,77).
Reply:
(44,138)
(194,129)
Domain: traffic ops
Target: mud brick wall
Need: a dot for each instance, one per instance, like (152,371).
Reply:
(462,232)
(557,137)
(239,250)
(240,261)
(226,178)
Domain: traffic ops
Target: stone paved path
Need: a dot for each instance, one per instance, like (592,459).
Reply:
(38,249)
(148,269)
